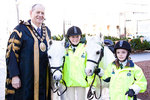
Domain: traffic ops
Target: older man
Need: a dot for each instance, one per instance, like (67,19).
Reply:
(26,59)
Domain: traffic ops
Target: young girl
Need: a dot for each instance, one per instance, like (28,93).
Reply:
(74,67)
(125,77)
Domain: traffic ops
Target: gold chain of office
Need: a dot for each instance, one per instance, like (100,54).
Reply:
(42,44)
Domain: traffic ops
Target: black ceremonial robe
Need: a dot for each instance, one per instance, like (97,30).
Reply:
(25,59)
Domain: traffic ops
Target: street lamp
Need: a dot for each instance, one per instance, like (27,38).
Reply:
(137,27)
(17,10)
(125,27)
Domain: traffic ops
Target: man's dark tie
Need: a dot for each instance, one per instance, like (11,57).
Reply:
(39,31)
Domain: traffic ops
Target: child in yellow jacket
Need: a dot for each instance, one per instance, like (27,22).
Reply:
(125,77)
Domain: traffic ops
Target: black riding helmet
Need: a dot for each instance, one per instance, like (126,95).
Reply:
(123,45)
(74,30)
(110,44)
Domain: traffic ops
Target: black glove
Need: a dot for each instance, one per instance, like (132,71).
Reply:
(130,93)
(97,70)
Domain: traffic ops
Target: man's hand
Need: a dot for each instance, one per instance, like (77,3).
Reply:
(16,83)
(130,93)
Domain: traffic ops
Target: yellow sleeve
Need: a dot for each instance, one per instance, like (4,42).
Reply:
(140,79)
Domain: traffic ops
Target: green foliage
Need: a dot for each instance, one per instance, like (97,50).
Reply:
(146,45)
(83,39)
(59,37)
(115,38)
(111,38)
(136,44)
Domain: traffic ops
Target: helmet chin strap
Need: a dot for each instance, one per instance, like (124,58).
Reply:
(123,60)
(73,44)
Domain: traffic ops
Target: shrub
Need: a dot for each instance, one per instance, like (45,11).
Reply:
(59,37)
(136,44)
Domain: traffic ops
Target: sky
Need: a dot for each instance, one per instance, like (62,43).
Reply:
(77,12)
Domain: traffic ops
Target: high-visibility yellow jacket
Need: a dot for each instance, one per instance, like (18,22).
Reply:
(121,80)
(74,67)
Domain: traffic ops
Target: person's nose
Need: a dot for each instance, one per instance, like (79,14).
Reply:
(40,14)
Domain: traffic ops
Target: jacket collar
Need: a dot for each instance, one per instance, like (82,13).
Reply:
(129,63)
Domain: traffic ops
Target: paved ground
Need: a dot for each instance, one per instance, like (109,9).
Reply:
(145,65)
(140,56)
